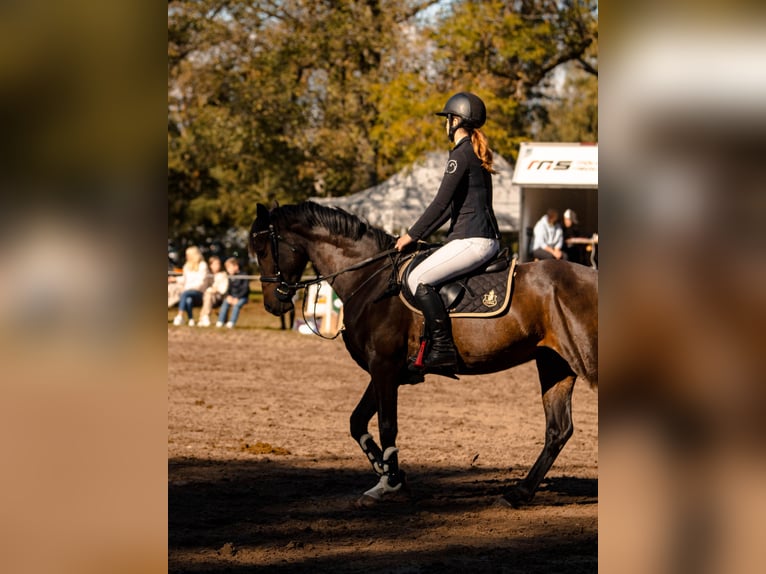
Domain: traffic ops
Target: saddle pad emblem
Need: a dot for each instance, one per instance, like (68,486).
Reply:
(489,299)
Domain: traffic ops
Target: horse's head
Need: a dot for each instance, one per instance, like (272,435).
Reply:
(281,259)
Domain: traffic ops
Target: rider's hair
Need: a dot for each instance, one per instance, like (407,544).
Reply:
(481,149)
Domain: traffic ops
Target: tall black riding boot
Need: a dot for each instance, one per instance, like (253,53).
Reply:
(439,328)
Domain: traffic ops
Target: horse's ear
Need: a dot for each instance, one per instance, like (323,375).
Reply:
(262,212)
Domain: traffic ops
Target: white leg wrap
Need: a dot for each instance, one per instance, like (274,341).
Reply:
(379,490)
(389,451)
(387,455)
(364,439)
(375,465)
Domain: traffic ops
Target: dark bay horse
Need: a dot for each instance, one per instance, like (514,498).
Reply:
(553,319)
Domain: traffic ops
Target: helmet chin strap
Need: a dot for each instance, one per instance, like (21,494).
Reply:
(453,129)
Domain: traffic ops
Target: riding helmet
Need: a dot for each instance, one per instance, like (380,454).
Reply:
(467,106)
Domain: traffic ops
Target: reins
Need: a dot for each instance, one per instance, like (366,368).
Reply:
(353,267)
(286,290)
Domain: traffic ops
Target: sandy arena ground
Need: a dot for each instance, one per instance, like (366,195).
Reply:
(263,472)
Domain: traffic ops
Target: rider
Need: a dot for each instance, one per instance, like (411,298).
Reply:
(464,197)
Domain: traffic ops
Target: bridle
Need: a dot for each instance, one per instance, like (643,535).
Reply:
(285,290)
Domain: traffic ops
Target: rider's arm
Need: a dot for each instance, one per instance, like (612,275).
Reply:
(403,241)
(438,212)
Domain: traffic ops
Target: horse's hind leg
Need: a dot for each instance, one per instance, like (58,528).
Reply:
(557,382)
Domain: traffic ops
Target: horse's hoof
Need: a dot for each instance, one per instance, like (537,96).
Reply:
(508,502)
(515,498)
(365,501)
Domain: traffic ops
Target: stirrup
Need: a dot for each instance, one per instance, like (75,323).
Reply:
(448,372)
(444,366)
(444,371)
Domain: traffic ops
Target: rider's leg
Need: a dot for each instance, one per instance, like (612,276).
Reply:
(455,258)
(438,326)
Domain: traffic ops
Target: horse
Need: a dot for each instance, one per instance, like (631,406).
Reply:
(552,319)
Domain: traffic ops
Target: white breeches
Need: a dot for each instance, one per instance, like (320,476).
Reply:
(455,258)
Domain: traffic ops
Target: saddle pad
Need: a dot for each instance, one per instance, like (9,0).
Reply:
(491,294)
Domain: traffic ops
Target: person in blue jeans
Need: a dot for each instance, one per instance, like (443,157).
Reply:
(236,296)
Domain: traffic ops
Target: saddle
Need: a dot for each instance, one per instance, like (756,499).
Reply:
(484,292)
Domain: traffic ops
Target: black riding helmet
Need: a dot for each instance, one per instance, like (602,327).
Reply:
(468,107)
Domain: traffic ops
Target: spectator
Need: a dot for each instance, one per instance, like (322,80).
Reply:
(236,296)
(195,281)
(214,294)
(548,237)
(175,287)
(574,252)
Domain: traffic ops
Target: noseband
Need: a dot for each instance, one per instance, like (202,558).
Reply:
(284,291)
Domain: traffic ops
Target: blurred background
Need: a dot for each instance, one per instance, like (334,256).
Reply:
(683,293)
(82,214)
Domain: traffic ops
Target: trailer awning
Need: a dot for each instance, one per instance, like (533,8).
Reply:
(558,165)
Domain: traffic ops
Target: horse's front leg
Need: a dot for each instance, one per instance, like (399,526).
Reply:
(381,397)
(360,418)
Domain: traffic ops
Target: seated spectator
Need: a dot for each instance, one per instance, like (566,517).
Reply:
(236,296)
(574,252)
(213,295)
(548,237)
(195,281)
(175,282)
(175,288)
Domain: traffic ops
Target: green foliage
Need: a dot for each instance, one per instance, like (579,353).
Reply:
(506,52)
(572,116)
(285,99)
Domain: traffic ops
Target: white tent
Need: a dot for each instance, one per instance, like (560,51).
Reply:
(395,204)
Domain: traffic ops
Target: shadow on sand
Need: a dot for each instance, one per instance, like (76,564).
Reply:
(298,516)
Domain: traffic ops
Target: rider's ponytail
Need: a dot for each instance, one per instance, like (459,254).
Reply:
(481,149)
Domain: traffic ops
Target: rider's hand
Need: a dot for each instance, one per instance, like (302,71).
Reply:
(403,241)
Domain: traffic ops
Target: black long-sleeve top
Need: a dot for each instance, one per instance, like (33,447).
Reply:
(465,196)
(239,287)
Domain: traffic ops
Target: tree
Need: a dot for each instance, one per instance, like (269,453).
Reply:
(506,52)
(285,99)
(275,100)
(572,112)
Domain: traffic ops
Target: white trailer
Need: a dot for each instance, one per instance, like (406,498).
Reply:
(558,175)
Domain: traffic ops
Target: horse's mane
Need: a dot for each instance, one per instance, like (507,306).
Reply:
(336,220)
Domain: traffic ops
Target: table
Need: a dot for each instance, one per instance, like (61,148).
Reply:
(592,241)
